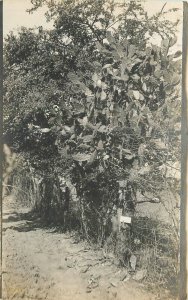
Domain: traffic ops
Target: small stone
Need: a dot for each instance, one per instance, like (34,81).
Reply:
(84,270)
(88,290)
(113,284)
(141,274)
(22,295)
(127,278)
(124,275)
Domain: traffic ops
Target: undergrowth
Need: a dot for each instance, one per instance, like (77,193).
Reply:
(152,242)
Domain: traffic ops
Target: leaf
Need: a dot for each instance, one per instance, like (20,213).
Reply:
(6,150)
(125,77)
(127,154)
(177,64)
(99,46)
(164,44)
(175,79)
(110,71)
(81,157)
(110,38)
(72,143)
(101,169)
(123,66)
(157,73)
(103,85)
(144,170)
(153,62)
(72,136)
(95,77)
(87,138)
(103,95)
(136,77)
(177,54)
(168,89)
(159,144)
(107,66)
(136,94)
(149,131)
(173,41)
(63,132)
(129,157)
(97,65)
(148,51)
(78,107)
(84,146)
(129,107)
(130,93)
(45,130)
(51,120)
(135,165)
(92,157)
(88,92)
(116,109)
(141,149)
(85,121)
(122,183)
(142,97)
(177,126)
(131,50)
(91,126)
(119,50)
(126,151)
(167,76)
(74,78)
(63,152)
(115,72)
(67,128)
(100,145)
(99,83)
(102,129)
(106,156)
(117,78)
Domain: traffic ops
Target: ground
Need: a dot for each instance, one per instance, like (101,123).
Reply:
(42,263)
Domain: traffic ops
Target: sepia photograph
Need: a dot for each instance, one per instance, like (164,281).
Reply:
(92,201)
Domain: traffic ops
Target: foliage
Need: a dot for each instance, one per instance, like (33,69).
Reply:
(94,102)
(154,245)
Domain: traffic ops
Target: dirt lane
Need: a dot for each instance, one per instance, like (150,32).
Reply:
(43,264)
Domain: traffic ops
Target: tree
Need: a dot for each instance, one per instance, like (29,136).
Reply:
(100,102)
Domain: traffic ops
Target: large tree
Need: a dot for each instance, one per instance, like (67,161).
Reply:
(91,99)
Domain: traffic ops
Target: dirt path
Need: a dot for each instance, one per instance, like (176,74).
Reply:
(43,264)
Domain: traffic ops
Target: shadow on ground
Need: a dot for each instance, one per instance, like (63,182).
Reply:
(28,221)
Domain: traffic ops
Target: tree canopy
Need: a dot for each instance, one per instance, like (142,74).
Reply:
(94,99)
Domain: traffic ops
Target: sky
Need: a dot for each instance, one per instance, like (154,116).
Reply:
(15,15)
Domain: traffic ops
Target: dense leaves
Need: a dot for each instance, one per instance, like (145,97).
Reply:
(95,102)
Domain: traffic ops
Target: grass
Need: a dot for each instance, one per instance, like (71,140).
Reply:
(155,246)
(153,242)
